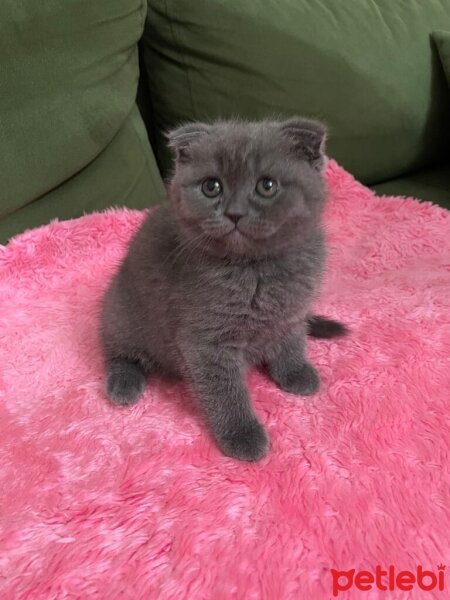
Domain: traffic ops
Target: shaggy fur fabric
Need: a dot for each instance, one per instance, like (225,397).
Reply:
(99,502)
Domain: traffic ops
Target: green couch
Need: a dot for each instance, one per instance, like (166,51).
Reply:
(72,139)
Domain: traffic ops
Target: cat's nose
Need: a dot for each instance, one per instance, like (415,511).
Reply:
(234,216)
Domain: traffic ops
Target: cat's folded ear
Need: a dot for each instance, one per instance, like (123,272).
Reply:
(181,138)
(307,140)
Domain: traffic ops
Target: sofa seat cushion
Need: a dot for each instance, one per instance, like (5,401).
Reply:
(432,184)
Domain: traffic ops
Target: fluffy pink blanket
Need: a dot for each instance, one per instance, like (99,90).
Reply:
(98,502)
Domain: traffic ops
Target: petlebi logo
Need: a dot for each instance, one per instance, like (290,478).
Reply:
(388,579)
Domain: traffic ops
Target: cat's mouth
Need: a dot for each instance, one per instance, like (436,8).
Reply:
(232,239)
(236,240)
(238,237)
(236,233)
(233,233)
(251,234)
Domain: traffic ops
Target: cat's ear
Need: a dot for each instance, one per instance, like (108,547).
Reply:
(181,139)
(308,139)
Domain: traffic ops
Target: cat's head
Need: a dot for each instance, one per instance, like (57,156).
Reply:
(248,188)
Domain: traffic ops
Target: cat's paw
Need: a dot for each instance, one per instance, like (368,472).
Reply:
(125,384)
(302,379)
(247,442)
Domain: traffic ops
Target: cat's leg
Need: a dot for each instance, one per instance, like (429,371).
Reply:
(127,377)
(289,368)
(215,376)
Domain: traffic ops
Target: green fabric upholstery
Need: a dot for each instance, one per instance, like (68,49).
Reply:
(71,138)
(123,174)
(442,40)
(432,184)
(366,67)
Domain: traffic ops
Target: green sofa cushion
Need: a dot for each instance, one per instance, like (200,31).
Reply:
(124,174)
(366,67)
(442,39)
(71,138)
(432,184)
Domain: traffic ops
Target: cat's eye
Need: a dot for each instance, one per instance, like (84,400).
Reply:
(211,187)
(267,187)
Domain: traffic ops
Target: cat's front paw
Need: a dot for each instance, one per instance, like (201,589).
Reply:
(246,442)
(302,379)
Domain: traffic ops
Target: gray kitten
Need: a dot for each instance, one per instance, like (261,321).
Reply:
(223,276)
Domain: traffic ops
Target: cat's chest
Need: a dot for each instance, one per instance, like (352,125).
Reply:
(255,296)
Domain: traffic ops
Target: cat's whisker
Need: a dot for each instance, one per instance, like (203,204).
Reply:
(185,245)
(199,246)
(190,250)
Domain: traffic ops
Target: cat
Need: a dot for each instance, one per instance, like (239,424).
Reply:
(222,276)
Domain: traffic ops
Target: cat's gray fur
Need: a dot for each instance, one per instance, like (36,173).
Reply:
(211,286)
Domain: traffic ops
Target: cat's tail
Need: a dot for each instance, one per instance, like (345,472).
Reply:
(125,381)
(321,327)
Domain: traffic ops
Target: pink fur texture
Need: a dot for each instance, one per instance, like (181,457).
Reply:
(98,502)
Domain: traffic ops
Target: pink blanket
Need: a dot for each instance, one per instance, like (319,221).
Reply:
(98,502)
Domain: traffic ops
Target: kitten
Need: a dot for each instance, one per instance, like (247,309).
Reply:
(223,276)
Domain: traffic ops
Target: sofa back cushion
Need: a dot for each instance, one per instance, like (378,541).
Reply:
(368,68)
(68,78)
